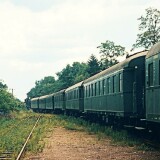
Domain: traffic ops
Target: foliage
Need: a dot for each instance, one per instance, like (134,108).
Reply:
(4,86)
(72,74)
(43,87)
(93,65)
(8,102)
(149,28)
(109,53)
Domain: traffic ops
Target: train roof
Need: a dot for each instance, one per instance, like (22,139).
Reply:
(49,95)
(42,97)
(155,49)
(61,91)
(74,86)
(34,99)
(46,96)
(118,66)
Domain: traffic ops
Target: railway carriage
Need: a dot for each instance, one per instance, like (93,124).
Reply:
(153,84)
(50,102)
(117,91)
(59,101)
(74,98)
(42,103)
(35,103)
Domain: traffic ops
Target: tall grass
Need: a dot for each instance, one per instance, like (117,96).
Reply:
(117,137)
(15,129)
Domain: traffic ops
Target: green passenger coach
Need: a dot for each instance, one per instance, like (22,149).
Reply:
(50,102)
(117,91)
(74,98)
(42,102)
(59,101)
(153,84)
(35,103)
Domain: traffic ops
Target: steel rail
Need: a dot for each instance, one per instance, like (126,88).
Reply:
(22,150)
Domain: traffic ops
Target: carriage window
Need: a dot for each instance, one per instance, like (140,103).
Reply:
(95,89)
(91,89)
(86,91)
(75,94)
(67,96)
(108,85)
(99,88)
(114,84)
(150,74)
(103,86)
(120,82)
(80,93)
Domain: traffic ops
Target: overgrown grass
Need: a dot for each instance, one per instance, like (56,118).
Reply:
(117,137)
(14,130)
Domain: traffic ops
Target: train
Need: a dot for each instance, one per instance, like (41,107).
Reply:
(127,93)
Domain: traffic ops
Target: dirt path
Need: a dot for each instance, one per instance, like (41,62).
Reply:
(74,145)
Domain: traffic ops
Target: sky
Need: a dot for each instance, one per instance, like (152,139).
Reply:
(39,38)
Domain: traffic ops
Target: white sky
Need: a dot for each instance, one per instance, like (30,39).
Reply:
(39,38)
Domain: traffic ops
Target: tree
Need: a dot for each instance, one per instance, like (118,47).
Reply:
(72,74)
(93,65)
(109,53)
(3,86)
(149,28)
(42,87)
(7,101)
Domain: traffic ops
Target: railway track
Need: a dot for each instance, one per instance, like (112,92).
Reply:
(10,154)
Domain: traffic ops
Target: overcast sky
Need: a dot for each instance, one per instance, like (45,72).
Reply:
(39,38)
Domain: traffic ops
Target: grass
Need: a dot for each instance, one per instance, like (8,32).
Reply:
(16,127)
(13,132)
(117,137)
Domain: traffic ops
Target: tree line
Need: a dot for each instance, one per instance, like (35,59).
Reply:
(149,34)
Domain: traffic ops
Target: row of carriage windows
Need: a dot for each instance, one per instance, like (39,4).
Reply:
(74,94)
(105,86)
(59,98)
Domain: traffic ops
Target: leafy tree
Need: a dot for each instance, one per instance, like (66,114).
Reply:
(149,28)
(4,86)
(109,53)
(72,74)
(8,102)
(42,87)
(93,65)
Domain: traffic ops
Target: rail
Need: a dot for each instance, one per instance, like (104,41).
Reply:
(8,154)
(22,150)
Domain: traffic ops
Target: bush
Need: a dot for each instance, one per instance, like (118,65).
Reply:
(8,102)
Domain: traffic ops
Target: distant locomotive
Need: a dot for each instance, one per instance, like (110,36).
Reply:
(128,92)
